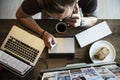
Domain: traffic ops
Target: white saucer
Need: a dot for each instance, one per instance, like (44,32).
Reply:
(99,44)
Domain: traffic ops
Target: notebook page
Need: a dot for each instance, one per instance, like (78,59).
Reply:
(92,34)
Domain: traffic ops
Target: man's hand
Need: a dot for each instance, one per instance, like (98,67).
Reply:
(75,18)
(49,40)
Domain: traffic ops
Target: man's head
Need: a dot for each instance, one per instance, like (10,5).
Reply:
(58,9)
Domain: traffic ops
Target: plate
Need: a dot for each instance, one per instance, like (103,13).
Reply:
(97,46)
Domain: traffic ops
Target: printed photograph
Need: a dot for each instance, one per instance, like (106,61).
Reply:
(114,69)
(63,75)
(76,74)
(49,76)
(105,73)
(90,74)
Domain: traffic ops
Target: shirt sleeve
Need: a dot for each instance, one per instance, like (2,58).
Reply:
(30,7)
(88,7)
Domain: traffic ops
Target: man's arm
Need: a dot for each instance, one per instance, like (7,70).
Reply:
(88,18)
(89,12)
(88,21)
(29,22)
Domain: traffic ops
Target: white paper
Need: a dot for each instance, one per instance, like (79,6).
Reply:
(92,34)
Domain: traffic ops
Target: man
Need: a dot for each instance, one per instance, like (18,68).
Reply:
(57,9)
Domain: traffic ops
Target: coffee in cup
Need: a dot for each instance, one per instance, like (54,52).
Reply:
(61,27)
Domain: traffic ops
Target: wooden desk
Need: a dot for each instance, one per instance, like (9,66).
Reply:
(81,54)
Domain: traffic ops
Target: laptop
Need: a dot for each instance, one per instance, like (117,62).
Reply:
(20,50)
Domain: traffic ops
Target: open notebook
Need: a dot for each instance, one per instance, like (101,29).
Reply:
(20,50)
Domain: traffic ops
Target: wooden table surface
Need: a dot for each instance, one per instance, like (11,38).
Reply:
(81,54)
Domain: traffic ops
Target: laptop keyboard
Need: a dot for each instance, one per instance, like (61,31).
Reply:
(13,63)
(20,49)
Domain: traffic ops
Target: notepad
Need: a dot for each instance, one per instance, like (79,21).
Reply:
(93,34)
(65,48)
(64,45)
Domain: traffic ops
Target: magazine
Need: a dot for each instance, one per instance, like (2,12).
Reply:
(76,74)
(91,74)
(105,73)
(114,69)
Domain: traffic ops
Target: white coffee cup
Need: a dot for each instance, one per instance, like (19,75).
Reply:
(61,27)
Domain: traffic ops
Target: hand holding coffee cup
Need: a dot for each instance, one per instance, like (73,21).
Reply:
(61,27)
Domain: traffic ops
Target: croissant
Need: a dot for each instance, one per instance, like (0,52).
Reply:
(102,53)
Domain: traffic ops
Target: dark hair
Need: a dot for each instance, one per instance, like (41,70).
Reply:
(55,6)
